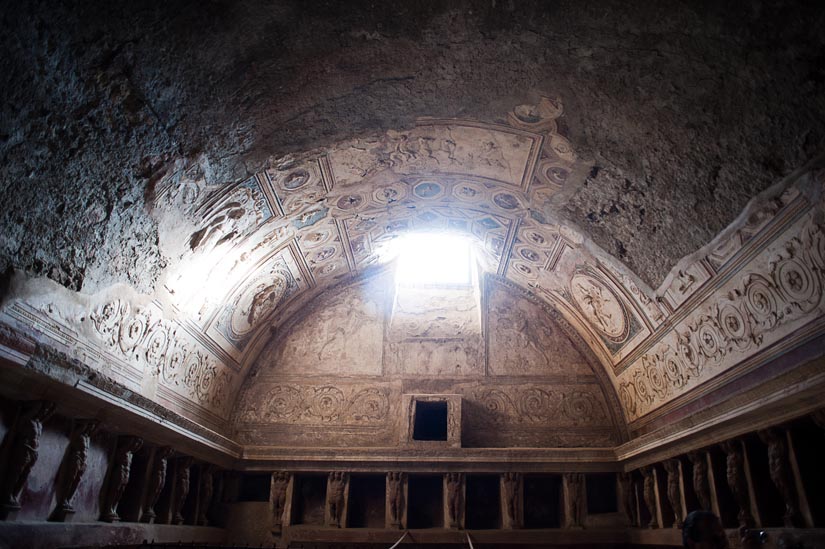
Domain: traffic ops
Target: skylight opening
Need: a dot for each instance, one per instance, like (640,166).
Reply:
(433,259)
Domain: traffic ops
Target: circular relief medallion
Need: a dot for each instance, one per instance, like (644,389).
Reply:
(427,189)
(131,332)
(156,344)
(674,371)
(468,192)
(256,303)
(796,279)
(315,238)
(732,322)
(535,238)
(506,201)
(522,268)
(390,194)
(350,202)
(708,340)
(296,179)
(530,255)
(760,300)
(325,254)
(600,306)
(327,269)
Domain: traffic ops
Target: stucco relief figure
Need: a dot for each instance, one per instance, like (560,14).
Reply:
(674,491)
(512,499)
(628,507)
(182,480)
(649,494)
(235,215)
(75,463)
(157,481)
(395,489)
(205,494)
(780,471)
(24,449)
(454,484)
(346,328)
(265,298)
(525,335)
(280,483)
(599,305)
(701,485)
(119,476)
(737,482)
(337,488)
(576,502)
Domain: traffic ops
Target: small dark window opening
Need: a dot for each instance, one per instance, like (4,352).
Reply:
(430,420)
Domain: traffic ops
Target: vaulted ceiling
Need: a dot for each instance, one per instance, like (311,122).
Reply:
(181,180)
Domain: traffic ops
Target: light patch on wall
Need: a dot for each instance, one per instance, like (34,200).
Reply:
(433,259)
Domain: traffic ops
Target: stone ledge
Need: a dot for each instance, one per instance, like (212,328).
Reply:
(45,535)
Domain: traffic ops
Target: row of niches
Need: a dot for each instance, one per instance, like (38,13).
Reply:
(397,500)
(60,469)
(771,478)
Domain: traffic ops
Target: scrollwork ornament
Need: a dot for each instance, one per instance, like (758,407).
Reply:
(642,388)
(172,366)
(535,405)
(710,341)
(326,403)
(761,302)
(734,326)
(691,357)
(367,405)
(674,370)
(205,378)
(107,319)
(654,375)
(581,407)
(799,285)
(192,366)
(497,405)
(816,240)
(282,402)
(132,331)
(157,343)
(627,393)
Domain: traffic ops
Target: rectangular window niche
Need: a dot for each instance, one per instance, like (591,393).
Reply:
(432,420)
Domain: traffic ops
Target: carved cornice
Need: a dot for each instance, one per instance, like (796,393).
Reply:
(59,367)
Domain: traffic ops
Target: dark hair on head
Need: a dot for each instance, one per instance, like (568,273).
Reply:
(692,529)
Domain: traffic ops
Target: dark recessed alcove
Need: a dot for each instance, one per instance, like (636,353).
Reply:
(769,500)
(601,493)
(728,509)
(367,496)
(542,501)
(254,487)
(809,449)
(309,499)
(426,502)
(430,420)
(483,502)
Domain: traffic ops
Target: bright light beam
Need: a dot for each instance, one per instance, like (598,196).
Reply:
(427,259)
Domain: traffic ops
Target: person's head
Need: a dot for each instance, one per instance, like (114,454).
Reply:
(703,530)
